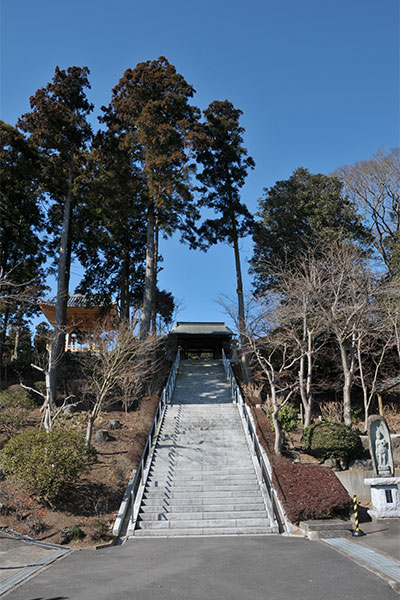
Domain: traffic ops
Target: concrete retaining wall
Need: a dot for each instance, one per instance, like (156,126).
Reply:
(353,482)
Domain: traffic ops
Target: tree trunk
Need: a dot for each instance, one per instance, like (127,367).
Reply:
(3,334)
(278,432)
(124,284)
(154,298)
(57,345)
(347,401)
(89,428)
(16,343)
(305,381)
(149,274)
(348,373)
(241,315)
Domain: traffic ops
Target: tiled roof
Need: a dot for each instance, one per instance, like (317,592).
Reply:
(198,328)
(73,300)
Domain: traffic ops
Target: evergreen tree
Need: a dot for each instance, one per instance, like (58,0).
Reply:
(21,225)
(57,126)
(225,165)
(150,113)
(306,211)
(112,238)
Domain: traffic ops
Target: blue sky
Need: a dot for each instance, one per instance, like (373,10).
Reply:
(318,83)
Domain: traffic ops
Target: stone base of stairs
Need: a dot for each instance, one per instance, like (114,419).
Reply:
(202,480)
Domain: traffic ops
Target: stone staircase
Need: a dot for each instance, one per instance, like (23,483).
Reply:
(202,479)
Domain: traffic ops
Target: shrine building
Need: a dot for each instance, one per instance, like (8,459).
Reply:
(201,340)
(82,319)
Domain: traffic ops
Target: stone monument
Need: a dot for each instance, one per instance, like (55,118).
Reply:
(384,487)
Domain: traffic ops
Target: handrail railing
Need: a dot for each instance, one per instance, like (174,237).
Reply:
(276,509)
(140,475)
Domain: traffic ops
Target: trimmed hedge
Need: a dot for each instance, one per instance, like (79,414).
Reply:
(47,463)
(332,440)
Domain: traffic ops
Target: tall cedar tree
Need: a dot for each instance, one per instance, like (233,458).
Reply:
(225,165)
(112,238)
(150,113)
(58,127)
(112,242)
(21,224)
(305,211)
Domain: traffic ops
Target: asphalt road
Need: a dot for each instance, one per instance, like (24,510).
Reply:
(229,568)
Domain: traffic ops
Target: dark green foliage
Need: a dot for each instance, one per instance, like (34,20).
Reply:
(21,224)
(16,399)
(58,128)
(332,440)
(152,120)
(225,165)
(305,211)
(112,241)
(73,534)
(12,420)
(47,463)
(287,417)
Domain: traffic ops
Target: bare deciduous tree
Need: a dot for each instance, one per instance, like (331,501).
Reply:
(120,361)
(275,359)
(374,186)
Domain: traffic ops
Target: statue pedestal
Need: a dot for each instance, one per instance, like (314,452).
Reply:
(384,497)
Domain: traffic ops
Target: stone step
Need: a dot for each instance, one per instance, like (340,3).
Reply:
(180,463)
(205,463)
(209,435)
(177,503)
(198,487)
(206,515)
(208,532)
(179,444)
(183,495)
(176,481)
(190,474)
(188,451)
(152,507)
(203,523)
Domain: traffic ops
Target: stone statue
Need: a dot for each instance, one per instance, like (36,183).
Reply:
(380,446)
(381,451)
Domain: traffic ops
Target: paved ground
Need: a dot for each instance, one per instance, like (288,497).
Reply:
(20,558)
(382,536)
(244,568)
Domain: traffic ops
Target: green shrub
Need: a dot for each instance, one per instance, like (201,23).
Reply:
(74,533)
(332,440)
(16,399)
(13,420)
(47,463)
(287,417)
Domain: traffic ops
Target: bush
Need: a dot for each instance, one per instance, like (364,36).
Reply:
(75,533)
(16,399)
(332,440)
(47,463)
(287,417)
(11,421)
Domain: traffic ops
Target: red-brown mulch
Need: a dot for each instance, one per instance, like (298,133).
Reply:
(307,491)
(310,492)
